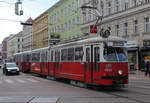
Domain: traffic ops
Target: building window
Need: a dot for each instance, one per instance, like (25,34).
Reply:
(69,8)
(55,17)
(147,24)
(136,26)
(136,2)
(62,27)
(146,1)
(102,7)
(18,46)
(84,1)
(109,8)
(62,12)
(66,26)
(126,28)
(77,3)
(73,22)
(117,29)
(117,5)
(78,20)
(58,29)
(89,16)
(69,24)
(73,6)
(126,3)
(84,18)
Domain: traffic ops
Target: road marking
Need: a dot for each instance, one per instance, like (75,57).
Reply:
(20,80)
(9,81)
(32,80)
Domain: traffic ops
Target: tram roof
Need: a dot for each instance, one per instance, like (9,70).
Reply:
(23,52)
(90,40)
(40,49)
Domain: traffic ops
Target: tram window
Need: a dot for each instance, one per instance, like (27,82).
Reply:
(110,54)
(64,54)
(52,53)
(96,58)
(121,54)
(88,59)
(71,54)
(79,54)
(43,57)
(36,57)
(24,58)
(28,57)
(114,54)
(97,53)
(57,56)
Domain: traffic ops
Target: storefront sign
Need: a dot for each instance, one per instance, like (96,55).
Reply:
(131,44)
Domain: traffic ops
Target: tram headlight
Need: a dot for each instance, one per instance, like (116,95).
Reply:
(120,72)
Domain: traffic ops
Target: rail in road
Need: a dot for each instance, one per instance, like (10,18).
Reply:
(137,91)
(28,99)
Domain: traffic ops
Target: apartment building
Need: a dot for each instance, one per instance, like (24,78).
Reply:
(40,31)
(65,20)
(129,19)
(27,36)
(14,44)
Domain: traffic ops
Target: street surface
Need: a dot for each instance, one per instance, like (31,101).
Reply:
(29,88)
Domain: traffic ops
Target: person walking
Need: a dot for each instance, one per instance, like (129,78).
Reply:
(147,68)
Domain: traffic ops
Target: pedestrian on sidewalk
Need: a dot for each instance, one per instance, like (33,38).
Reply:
(147,68)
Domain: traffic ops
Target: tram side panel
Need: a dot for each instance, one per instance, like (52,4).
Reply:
(69,63)
(51,69)
(36,64)
(71,70)
(44,68)
(44,62)
(26,64)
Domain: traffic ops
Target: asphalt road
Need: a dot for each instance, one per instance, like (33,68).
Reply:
(27,87)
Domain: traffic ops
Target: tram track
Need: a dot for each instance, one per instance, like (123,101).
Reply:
(114,92)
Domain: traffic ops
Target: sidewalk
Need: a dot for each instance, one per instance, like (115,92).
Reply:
(138,75)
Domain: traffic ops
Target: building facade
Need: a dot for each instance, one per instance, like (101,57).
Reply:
(40,31)
(27,36)
(14,45)
(4,48)
(0,52)
(65,20)
(129,19)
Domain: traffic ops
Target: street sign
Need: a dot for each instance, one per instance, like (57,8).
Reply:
(93,29)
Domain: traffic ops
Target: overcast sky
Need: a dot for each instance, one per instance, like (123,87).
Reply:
(9,21)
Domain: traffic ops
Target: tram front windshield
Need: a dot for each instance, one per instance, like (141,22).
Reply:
(115,54)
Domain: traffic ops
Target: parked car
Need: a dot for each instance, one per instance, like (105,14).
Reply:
(10,68)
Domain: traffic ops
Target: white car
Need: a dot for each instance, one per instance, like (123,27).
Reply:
(10,68)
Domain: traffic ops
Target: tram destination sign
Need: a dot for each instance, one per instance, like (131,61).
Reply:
(116,44)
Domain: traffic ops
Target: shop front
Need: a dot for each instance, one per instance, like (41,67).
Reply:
(132,55)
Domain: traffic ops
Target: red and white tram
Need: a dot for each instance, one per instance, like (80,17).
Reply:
(94,61)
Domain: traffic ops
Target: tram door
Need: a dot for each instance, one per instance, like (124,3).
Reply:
(57,61)
(92,64)
(44,68)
